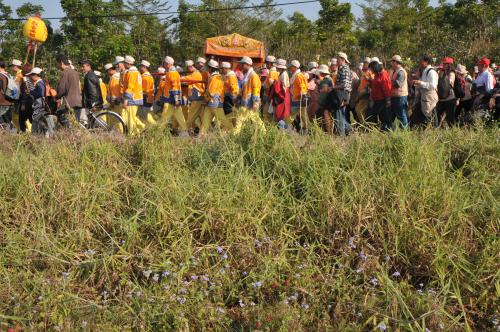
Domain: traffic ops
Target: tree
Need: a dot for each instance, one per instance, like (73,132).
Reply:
(97,38)
(335,26)
(149,33)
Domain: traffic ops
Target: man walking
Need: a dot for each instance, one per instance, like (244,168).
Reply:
(148,90)
(427,97)
(446,106)
(250,95)
(92,96)
(69,94)
(399,93)
(6,105)
(343,84)
(132,96)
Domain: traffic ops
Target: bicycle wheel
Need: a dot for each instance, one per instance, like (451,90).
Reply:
(108,121)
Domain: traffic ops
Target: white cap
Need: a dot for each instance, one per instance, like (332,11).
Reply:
(201,60)
(333,61)
(376,59)
(313,65)
(98,73)
(226,65)
(16,62)
(145,63)
(36,71)
(179,69)
(108,66)
(189,63)
(118,59)
(397,58)
(270,58)
(367,60)
(323,69)
(161,70)
(281,64)
(130,60)
(246,60)
(213,64)
(295,63)
(169,60)
(343,56)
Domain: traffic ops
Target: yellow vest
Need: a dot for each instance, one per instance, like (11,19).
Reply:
(132,86)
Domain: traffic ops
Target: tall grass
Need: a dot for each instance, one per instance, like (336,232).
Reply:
(271,232)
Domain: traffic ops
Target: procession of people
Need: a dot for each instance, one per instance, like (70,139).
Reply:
(200,96)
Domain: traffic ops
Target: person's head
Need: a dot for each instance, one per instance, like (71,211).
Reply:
(85,66)
(425,60)
(26,69)
(375,67)
(396,62)
(447,64)
(168,62)
(294,66)
(129,61)
(483,64)
(461,70)
(246,64)
(226,67)
(200,63)
(333,65)
(110,69)
(119,63)
(281,65)
(62,61)
(342,58)
(2,65)
(270,61)
(35,74)
(190,66)
(213,66)
(366,62)
(144,67)
(322,71)
(15,65)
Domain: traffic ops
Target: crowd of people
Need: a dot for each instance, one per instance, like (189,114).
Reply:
(203,94)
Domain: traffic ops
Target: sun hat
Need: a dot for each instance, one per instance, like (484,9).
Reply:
(460,69)
(397,58)
(169,60)
(367,60)
(376,59)
(145,63)
(323,69)
(129,59)
(118,59)
(213,64)
(35,71)
(281,64)
(343,56)
(246,60)
(447,60)
(161,70)
(16,62)
(201,60)
(108,66)
(226,65)
(189,63)
(271,59)
(295,63)
(484,61)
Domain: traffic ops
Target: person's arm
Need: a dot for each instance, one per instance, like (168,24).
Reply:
(93,85)
(432,80)
(399,81)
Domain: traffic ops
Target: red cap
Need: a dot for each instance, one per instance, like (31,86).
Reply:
(484,62)
(447,61)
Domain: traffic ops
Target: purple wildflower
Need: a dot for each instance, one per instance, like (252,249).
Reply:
(382,327)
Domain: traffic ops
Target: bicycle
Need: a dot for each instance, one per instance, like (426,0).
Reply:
(98,121)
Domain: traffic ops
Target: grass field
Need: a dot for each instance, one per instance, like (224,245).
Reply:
(270,232)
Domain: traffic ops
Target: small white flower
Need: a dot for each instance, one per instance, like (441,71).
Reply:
(257,284)
(156,277)
(84,324)
(220,310)
(305,306)
(382,327)
(252,304)
(396,274)
(374,281)
(240,301)
(147,273)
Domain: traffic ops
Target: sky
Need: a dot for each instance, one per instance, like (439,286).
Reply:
(310,10)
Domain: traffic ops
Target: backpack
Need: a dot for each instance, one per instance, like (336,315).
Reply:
(459,87)
(444,87)
(12,90)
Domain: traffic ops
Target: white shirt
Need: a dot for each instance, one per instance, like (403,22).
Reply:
(429,79)
(485,79)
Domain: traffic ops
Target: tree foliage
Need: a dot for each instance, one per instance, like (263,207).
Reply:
(467,29)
